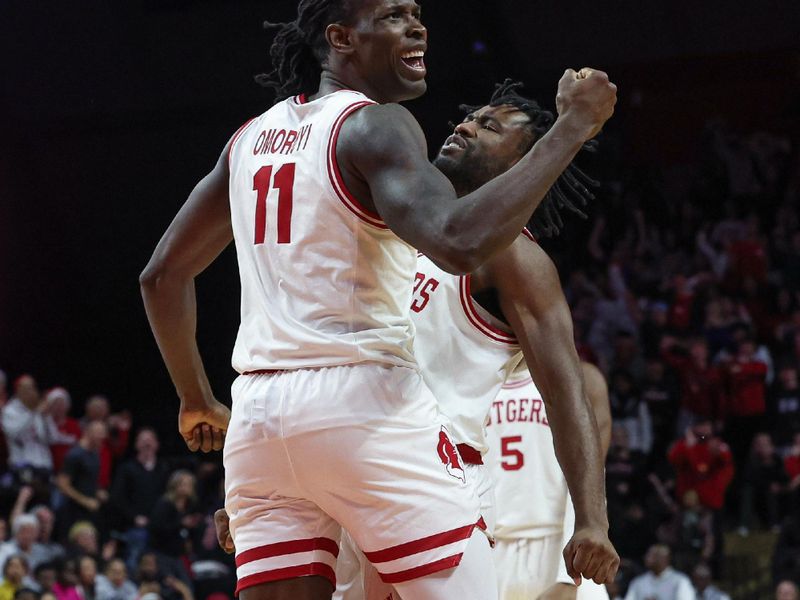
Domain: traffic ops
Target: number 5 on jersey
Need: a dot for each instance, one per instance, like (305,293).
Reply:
(284,183)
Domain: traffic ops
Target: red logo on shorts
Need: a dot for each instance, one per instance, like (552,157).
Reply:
(449,456)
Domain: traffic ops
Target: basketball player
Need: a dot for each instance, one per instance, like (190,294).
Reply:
(535,516)
(466,352)
(326,196)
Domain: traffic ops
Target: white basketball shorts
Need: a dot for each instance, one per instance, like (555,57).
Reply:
(357,579)
(527,567)
(361,446)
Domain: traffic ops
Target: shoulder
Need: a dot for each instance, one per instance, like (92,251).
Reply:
(381,129)
(522,269)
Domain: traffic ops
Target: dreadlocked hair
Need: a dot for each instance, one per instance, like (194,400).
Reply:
(299,48)
(571,190)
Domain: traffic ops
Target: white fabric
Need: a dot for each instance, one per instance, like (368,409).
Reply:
(29,434)
(530,488)
(336,289)
(465,355)
(670,585)
(363,446)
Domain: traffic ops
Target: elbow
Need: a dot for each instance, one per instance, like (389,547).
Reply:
(155,274)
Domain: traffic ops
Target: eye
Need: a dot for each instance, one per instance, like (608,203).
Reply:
(489,127)
(398,14)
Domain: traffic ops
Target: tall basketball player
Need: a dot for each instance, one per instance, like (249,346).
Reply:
(535,516)
(326,195)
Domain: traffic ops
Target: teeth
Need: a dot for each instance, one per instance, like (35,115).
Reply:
(415,54)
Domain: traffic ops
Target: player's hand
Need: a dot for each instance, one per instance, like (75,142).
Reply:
(204,428)
(559,591)
(587,99)
(590,554)
(222,523)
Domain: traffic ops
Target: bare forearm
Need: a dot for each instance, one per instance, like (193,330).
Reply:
(171,307)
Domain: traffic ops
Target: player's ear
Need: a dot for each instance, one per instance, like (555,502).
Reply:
(340,38)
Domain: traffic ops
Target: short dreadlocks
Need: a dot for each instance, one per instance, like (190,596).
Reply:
(571,190)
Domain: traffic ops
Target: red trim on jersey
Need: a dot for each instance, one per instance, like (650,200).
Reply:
(517,384)
(526,232)
(471,457)
(420,545)
(423,570)
(302,99)
(235,139)
(320,569)
(335,173)
(291,547)
(474,317)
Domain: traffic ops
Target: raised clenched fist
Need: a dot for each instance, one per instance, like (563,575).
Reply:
(590,554)
(586,98)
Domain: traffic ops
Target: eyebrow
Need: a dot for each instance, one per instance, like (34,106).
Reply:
(485,119)
(415,8)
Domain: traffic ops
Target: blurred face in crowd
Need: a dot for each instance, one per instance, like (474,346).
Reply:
(786,590)
(699,351)
(47,595)
(46,578)
(68,575)
(147,442)
(703,431)
(3,530)
(46,522)
(185,486)
(701,577)
(87,570)
(148,567)
(59,405)
(619,437)
(85,538)
(116,572)
(26,536)
(657,559)
(27,391)
(97,408)
(762,445)
(96,433)
(691,500)
(788,377)
(15,570)
(747,349)
(655,371)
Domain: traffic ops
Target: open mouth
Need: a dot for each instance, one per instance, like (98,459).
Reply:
(414,60)
(454,142)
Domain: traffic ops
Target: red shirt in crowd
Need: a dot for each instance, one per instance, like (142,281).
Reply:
(792,465)
(747,388)
(706,468)
(702,389)
(70,427)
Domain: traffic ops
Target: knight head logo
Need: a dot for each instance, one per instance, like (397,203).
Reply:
(449,456)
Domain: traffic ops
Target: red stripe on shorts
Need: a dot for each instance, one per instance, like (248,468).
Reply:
(420,545)
(283,548)
(320,569)
(417,572)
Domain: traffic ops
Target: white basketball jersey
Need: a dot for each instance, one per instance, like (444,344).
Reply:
(324,282)
(531,493)
(464,353)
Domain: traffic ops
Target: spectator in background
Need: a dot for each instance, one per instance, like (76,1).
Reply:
(628,410)
(701,579)
(702,463)
(47,521)
(165,578)
(25,531)
(702,390)
(746,379)
(764,482)
(138,485)
(59,402)
(690,533)
(660,394)
(175,523)
(784,408)
(791,465)
(661,581)
(78,479)
(66,586)
(45,576)
(3,388)
(787,590)
(15,576)
(114,584)
(87,578)
(29,431)
(116,443)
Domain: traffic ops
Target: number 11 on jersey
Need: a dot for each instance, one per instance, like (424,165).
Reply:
(284,183)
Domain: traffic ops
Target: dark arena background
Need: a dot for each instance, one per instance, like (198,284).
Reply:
(110,112)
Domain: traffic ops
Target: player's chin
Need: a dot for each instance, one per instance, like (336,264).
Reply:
(411,90)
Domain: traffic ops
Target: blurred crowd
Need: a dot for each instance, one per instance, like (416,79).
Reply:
(687,296)
(90,512)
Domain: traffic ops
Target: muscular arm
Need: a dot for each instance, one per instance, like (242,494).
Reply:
(384,146)
(197,235)
(597,392)
(531,298)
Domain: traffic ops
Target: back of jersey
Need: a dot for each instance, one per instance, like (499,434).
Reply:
(324,282)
